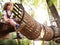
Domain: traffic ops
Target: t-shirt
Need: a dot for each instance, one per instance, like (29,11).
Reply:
(9,13)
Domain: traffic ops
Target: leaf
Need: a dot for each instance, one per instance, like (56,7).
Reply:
(50,3)
(36,2)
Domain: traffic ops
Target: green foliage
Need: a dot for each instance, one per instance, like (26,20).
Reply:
(0,14)
(25,42)
(35,2)
(52,1)
(0,0)
(25,1)
(50,42)
(42,43)
(55,2)
(8,42)
(13,35)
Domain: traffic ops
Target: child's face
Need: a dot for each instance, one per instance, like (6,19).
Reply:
(9,7)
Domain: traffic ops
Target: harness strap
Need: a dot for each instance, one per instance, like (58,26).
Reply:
(8,14)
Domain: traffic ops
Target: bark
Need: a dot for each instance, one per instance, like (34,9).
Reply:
(5,29)
(56,18)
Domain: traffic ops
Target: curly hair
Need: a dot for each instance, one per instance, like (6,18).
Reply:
(7,4)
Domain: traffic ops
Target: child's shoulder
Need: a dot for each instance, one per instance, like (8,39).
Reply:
(4,12)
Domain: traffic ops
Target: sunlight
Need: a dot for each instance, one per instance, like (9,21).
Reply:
(40,13)
(37,42)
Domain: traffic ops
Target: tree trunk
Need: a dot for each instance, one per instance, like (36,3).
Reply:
(56,18)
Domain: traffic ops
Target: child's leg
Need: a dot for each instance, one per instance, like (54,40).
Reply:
(13,23)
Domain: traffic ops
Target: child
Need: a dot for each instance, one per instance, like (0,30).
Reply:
(8,15)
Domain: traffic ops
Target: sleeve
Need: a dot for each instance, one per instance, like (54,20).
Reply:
(3,13)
